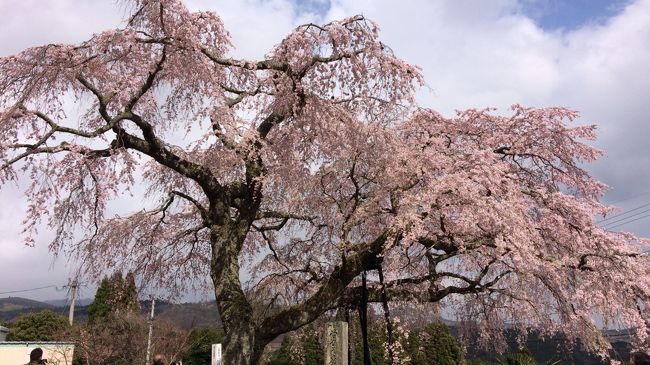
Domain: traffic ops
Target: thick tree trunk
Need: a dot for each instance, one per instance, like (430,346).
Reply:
(235,310)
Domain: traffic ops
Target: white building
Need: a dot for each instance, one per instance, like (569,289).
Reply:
(17,352)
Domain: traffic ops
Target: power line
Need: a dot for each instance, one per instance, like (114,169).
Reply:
(633,220)
(626,218)
(623,213)
(26,290)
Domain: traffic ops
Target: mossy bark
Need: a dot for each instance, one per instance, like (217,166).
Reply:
(239,347)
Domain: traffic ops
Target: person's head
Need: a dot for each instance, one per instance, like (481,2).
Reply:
(639,358)
(159,360)
(36,354)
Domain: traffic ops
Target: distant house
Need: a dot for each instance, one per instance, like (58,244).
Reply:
(17,352)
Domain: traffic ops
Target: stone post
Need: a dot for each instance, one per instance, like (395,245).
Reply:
(336,345)
(216,354)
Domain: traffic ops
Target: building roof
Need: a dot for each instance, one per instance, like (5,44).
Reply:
(35,343)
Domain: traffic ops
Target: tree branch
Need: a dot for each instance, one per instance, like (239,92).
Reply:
(202,210)
(253,66)
(328,295)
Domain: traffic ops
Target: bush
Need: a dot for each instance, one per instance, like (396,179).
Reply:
(434,345)
(200,343)
(522,357)
(40,326)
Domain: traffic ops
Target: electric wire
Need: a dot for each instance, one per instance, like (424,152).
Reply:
(626,218)
(623,213)
(31,289)
(630,221)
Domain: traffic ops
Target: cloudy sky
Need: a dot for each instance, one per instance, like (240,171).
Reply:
(588,55)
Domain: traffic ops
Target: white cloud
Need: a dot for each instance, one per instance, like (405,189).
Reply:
(255,26)
(478,54)
(29,23)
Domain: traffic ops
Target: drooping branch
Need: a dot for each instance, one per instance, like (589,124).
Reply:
(78,132)
(101,99)
(151,145)
(265,214)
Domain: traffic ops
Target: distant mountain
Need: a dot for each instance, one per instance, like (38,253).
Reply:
(16,303)
(185,315)
(12,307)
(65,302)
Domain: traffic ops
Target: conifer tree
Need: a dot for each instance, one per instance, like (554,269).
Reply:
(101,306)
(200,345)
(114,295)
(282,356)
(440,347)
(311,347)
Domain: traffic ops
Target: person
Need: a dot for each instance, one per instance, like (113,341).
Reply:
(179,362)
(36,357)
(639,358)
(159,360)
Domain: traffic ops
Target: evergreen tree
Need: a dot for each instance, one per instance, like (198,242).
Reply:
(414,349)
(200,342)
(314,354)
(434,345)
(522,357)
(101,306)
(376,341)
(40,326)
(114,295)
(282,356)
(129,298)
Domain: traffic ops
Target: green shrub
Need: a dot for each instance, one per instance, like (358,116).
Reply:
(40,326)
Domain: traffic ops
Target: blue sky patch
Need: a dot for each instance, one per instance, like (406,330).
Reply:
(313,6)
(571,14)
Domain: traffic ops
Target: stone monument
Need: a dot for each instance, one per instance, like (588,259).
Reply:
(216,354)
(336,343)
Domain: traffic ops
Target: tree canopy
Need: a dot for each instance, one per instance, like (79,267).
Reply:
(305,169)
(436,346)
(39,326)
(114,294)
(200,341)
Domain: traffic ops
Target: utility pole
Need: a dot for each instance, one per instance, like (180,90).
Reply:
(153,303)
(73,295)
